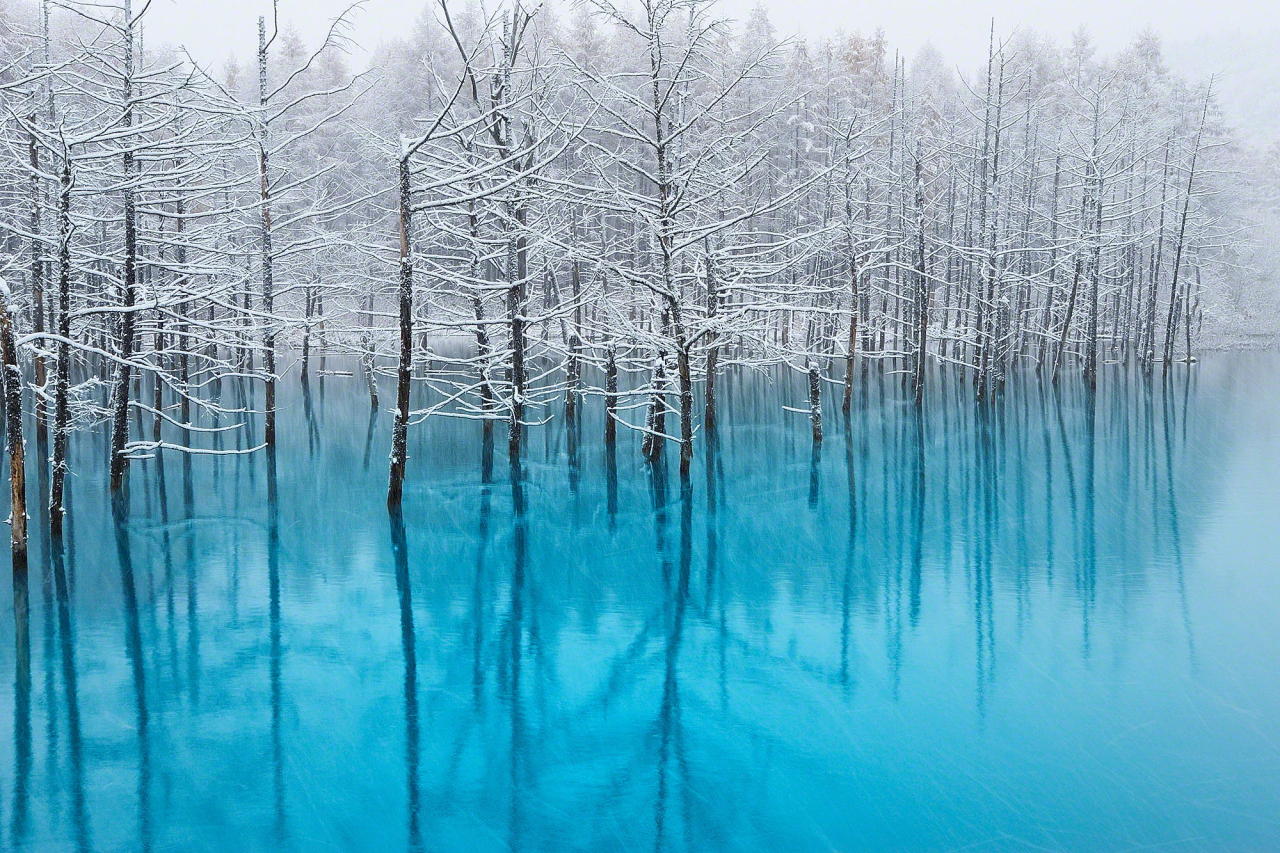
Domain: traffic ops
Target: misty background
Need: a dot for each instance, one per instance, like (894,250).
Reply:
(1234,43)
(1237,42)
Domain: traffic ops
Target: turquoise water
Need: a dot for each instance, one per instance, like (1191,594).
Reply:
(1051,623)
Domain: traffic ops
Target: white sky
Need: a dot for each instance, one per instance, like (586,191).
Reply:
(1238,40)
(214,29)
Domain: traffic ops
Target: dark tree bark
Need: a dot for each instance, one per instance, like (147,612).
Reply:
(400,426)
(13,433)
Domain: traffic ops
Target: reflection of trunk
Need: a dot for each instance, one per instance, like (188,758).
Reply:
(66,640)
(670,736)
(515,659)
(404,592)
(610,436)
(21,706)
(193,589)
(480,576)
(851,556)
(917,507)
(274,640)
(137,665)
(1087,578)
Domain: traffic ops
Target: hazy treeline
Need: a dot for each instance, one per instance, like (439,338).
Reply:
(608,204)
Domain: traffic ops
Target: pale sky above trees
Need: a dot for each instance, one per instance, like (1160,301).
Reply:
(1227,44)
(959,30)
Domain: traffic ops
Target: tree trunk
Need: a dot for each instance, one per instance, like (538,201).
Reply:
(610,398)
(13,426)
(400,425)
(264,224)
(62,378)
(37,289)
(815,401)
(124,369)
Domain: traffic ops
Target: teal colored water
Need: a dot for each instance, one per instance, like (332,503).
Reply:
(1049,623)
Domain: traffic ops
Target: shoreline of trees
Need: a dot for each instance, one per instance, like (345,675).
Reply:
(642,187)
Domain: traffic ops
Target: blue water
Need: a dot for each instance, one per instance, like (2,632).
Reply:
(1052,623)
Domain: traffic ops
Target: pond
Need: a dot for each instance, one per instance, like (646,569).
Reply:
(1050,621)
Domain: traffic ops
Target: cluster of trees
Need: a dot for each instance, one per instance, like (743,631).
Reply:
(621,201)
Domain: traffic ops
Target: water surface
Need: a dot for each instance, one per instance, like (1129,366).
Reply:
(1050,622)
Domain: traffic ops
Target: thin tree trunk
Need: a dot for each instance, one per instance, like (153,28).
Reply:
(268,285)
(37,290)
(124,369)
